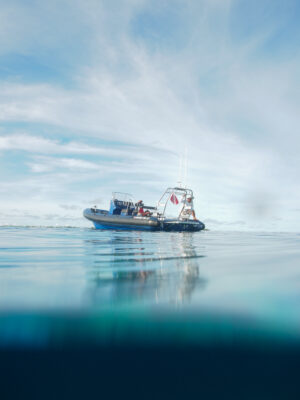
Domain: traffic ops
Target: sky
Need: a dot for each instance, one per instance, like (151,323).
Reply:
(100,96)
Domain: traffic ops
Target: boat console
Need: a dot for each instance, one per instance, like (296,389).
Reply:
(121,204)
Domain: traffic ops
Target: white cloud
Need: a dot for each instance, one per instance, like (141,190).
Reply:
(42,145)
(237,115)
(47,164)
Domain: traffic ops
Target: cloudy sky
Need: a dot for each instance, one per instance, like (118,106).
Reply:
(97,96)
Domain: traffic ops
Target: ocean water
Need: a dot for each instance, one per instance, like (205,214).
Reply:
(85,312)
(246,276)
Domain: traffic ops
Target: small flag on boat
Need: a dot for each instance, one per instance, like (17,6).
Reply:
(174,199)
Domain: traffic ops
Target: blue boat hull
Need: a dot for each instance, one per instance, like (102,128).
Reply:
(124,227)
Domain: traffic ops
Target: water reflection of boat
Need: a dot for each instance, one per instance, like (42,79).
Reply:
(124,214)
(137,272)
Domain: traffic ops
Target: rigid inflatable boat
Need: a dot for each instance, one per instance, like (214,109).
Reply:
(125,214)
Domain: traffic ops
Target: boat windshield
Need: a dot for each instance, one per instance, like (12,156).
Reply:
(125,197)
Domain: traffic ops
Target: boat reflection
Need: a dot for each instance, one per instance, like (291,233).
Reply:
(139,271)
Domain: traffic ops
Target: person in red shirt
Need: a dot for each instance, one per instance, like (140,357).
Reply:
(141,212)
(140,208)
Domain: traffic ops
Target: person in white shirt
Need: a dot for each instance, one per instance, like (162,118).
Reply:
(188,208)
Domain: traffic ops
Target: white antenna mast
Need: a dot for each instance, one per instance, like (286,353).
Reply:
(180,172)
(185,167)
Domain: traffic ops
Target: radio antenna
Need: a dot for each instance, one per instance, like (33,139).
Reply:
(182,172)
(179,181)
(185,167)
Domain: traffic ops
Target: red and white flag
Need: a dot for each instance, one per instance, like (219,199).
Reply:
(174,199)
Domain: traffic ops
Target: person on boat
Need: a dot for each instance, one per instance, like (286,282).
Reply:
(140,209)
(188,208)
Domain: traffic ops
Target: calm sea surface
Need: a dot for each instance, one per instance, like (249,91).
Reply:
(244,276)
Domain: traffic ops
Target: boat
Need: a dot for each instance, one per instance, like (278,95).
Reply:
(125,214)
